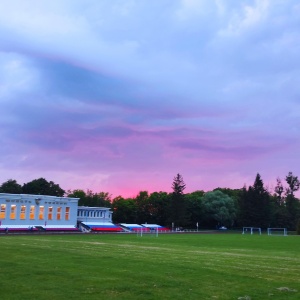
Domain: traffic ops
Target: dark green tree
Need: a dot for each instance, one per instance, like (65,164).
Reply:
(178,208)
(220,208)
(158,206)
(101,199)
(124,210)
(243,208)
(11,187)
(194,209)
(261,203)
(42,187)
(232,193)
(91,199)
(254,205)
(279,192)
(78,194)
(279,213)
(293,183)
(235,195)
(293,210)
(279,189)
(292,203)
(142,208)
(178,185)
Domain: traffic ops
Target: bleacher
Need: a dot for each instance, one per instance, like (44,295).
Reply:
(134,227)
(103,226)
(155,227)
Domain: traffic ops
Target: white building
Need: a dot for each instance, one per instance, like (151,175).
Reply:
(92,214)
(37,212)
(96,219)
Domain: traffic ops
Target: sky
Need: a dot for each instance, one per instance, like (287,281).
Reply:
(120,96)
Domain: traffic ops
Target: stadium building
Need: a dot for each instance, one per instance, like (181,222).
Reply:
(37,212)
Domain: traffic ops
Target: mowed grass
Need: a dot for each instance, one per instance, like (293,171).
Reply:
(170,266)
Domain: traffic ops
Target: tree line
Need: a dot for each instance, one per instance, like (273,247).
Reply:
(252,206)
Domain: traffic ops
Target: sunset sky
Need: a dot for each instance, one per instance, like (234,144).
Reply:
(121,95)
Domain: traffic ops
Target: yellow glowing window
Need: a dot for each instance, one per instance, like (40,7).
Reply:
(67,215)
(13,210)
(23,212)
(50,211)
(31,213)
(2,211)
(58,214)
(41,213)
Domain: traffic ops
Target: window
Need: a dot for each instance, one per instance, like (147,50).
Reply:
(31,212)
(50,210)
(23,212)
(58,214)
(67,216)
(13,209)
(2,211)
(41,213)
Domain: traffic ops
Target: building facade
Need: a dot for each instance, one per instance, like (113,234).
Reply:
(94,214)
(37,212)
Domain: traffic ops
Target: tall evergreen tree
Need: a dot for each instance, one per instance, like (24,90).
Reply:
(254,205)
(261,203)
(178,185)
(178,208)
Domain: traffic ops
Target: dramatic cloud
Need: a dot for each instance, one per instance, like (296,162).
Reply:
(120,96)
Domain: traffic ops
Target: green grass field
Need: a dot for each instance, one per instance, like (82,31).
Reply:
(170,266)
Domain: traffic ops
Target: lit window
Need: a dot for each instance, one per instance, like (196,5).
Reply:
(41,213)
(67,216)
(31,213)
(58,214)
(2,211)
(13,209)
(50,210)
(23,212)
